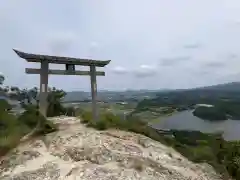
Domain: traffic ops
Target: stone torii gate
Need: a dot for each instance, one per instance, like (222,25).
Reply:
(70,63)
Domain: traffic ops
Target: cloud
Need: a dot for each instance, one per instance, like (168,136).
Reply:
(124,37)
(232,56)
(60,42)
(237,22)
(222,62)
(173,60)
(94,44)
(142,71)
(230,77)
(214,64)
(202,72)
(145,71)
(93,49)
(192,46)
(119,70)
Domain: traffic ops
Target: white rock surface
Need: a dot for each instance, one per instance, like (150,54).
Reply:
(77,152)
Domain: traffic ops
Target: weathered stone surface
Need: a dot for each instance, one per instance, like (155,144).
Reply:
(48,171)
(18,158)
(77,152)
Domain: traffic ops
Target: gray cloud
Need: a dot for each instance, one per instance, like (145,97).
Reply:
(192,46)
(139,72)
(236,22)
(174,60)
(229,77)
(202,72)
(119,70)
(127,38)
(216,64)
(145,71)
(60,42)
(223,61)
(232,56)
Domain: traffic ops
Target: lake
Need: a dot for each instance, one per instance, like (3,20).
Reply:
(186,121)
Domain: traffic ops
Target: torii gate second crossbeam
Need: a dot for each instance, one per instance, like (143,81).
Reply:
(70,63)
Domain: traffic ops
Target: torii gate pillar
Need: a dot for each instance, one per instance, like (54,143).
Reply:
(43,101)
(94,91)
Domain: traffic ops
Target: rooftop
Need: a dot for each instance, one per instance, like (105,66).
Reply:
(60,59)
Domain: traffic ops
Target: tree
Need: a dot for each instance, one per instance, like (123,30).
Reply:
(54,98)
(25,96)
(55,95)
(29,97)
(55,107)
(2,78)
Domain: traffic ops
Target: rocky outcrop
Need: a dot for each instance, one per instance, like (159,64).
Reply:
(78,152)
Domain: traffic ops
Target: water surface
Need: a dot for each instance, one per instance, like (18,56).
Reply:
(186,121)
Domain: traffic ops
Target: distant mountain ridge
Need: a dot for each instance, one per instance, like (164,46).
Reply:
(232,86)
(128,94)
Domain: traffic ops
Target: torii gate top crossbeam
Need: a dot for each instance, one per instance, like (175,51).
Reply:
(61,60)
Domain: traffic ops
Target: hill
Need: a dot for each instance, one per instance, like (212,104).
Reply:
(78,152)
(232,86)
(224,96)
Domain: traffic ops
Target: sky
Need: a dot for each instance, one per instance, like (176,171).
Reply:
(155,44)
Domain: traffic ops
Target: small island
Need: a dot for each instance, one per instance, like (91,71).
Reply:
(210,113)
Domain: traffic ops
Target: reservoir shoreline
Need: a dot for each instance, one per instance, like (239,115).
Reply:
(185,120)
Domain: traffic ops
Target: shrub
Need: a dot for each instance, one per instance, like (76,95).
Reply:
(47,127)
(4,105)
(9,125)
(109,120)
(231,158)
(202,154)
(11,130)
(8,142)
(55,109)
(86,117)
(99,125)
(30,107)
(79,111)
(70,111)
(32,118)
(103,123)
